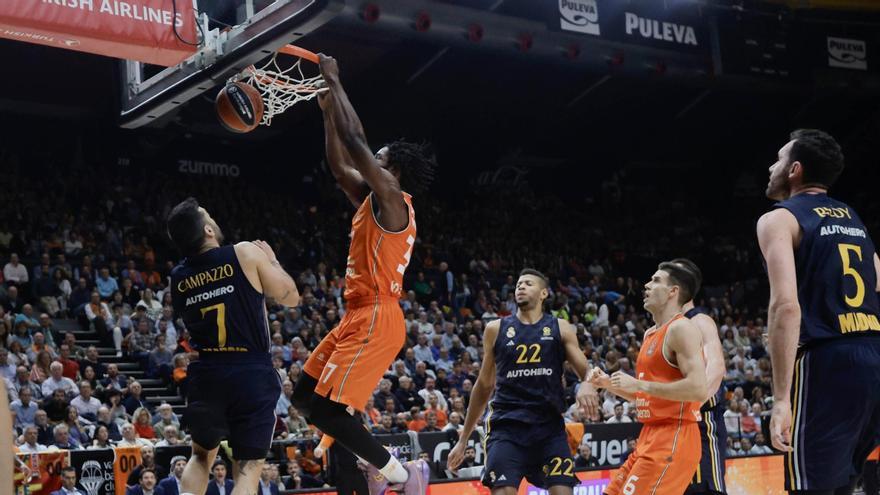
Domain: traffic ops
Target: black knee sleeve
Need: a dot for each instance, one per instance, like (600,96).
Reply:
(303,393)
(332,418)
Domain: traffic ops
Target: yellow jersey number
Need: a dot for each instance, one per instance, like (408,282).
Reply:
(848,271)
(221,322)
(523,351)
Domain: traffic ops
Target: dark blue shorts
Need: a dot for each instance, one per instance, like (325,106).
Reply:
(235,401)
(835,412)
(544,460)
(709,477)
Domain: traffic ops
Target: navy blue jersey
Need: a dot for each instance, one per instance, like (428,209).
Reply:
(835,269)
(221,309)
(718,398)
(528,364)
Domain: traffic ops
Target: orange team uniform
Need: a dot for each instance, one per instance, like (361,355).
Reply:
(351,359)
(668,449)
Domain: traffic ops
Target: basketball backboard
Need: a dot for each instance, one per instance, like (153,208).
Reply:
(221,54)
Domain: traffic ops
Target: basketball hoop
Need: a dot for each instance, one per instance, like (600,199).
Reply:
(282,88)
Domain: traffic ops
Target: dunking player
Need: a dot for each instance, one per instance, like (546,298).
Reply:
(348,363)
(709,478)
(822,319)
(220,292)
(670,387)
(522,362)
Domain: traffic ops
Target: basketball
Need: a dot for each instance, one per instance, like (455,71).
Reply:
(239,107)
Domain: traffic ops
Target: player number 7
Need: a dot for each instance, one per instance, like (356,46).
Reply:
(328,370)
(221,322)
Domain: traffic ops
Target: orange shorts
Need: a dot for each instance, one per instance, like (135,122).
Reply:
(664,462)
(874,455)
(351,359)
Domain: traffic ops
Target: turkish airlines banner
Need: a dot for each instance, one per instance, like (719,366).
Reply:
(142,30)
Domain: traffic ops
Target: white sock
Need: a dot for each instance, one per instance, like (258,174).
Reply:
(117,338)
(394,471)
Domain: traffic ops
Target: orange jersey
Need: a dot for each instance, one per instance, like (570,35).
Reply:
(653,366)
(377,258)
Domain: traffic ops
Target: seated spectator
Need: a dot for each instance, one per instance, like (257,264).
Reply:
(102,439)
(266,487)
(68,482)
(14,272)
(385,426)
(406,395)
(618,416)
(178,375)
(455,422)
(25,409)
(285,400)
(27,316)
(296,479)
(7,365)
(220,485)
(732,419)
(76,351)
(297,427)
(85,404)
(384,393)
(153,307)
(56,406)
(171,484)
(133,401)
(99,315)
(166,418)
(430,422)
(160,360)
(31,445)
(416,420)
(117,410)
(114,380)
(105,420)
(170,437)
(130,437)
(585,457)
(106,284)
(148,461)
(433,406)
(143,424)
(470,458)
(430,388)
(76,427)
(39,344)
(146,484)
(23,380)
(760,446)
(63,440)
(17,354)
(44,429)
(91,359)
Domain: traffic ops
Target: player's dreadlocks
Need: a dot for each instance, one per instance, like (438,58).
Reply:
(416,163)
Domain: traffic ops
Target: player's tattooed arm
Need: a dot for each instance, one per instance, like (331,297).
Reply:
(276,283)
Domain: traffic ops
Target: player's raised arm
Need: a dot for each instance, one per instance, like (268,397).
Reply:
(777,231)
(683,339)
(587,397)
(480,394)
(265,272)
(394,212)
(713,351)
(350,180)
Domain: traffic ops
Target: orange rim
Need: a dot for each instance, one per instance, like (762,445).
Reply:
(299,52)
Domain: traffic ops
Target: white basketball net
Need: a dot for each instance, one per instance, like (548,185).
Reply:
(281,88)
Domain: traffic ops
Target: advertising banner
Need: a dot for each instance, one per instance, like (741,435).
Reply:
(152,31)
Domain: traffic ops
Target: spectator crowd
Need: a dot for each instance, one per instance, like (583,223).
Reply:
(95,255)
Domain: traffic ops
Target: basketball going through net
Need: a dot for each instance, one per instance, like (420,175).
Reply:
(282,82)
